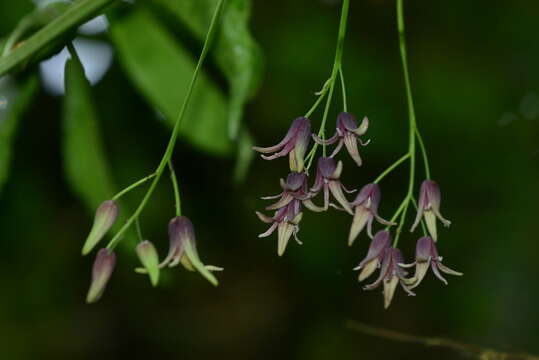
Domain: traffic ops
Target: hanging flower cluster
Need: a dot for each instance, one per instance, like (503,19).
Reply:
(297,195)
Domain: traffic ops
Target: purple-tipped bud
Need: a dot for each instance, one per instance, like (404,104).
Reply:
(103,267)
(150,260)
(295,180)
(105,216)
(429,207)
(295,144)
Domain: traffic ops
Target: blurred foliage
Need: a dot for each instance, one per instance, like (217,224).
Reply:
(476,84)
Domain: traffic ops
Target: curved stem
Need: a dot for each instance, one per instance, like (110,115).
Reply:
(170,147)
(391,168)
(174,180)
(132,186)
(424,153)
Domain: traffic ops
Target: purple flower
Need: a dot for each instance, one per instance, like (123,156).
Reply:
(294,144)
(347,133)
(285,220)
(327,178)
(365,211)
(183,249)
(294,188)
(426,254)
(429,207)
(391,274)
(375,255)
(102,269)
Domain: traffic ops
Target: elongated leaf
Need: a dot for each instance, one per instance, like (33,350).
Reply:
(240,59)
(79,12)
(85,163)
(161,69)
(14,100)
(237,53)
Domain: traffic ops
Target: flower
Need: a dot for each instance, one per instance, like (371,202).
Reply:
(105,216)
(429,207)
(426,254)
(102,269)
(327,178)
(365,210)
(294,144)
(295,187)
(375,254)
(286,221)
(391,274)
(347,133)
(183,249)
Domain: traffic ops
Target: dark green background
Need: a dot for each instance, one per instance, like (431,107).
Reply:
(475,79)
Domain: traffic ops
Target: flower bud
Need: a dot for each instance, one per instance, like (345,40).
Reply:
(105,216)
(104,263)
(149,259)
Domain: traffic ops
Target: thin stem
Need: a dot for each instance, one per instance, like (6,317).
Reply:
(333,77)
(320,95)
(343,88)
(174,136)
(391,168)
(174,180)
(424,153)
(139,231)
(132,186)
(411,118)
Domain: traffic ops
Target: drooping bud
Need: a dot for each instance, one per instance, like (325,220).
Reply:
(103,267)
(150,260)
(375,254)
(105,216)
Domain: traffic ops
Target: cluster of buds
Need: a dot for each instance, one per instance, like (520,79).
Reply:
(297,195)
(182,250)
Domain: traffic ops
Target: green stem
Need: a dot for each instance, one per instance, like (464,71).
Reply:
(132,186)
(333,77)
(424,153)
(343,88)
(77,14)
(139,231)
(411,118)
(391,168)
(170,147)
(174,180)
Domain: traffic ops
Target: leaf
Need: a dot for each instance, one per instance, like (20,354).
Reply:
(78,13)
(85,162)
(236,53)
(239,57)
(245,156)
(161,70)
(14,100)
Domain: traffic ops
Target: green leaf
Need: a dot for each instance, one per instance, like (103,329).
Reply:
(240,59)
(161,70)
(245,156)
(85,162)
(78,13)
(236,53)
(14,100)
